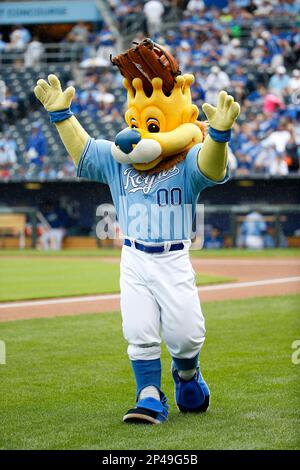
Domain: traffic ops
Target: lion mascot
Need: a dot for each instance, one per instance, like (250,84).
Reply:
(156,169)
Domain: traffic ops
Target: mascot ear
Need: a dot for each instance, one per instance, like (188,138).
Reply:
(190,114)
(127,117)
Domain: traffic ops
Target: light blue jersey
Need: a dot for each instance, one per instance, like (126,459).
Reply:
(152,208)
(253,225)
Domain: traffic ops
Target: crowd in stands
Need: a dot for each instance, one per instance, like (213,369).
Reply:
(250,48)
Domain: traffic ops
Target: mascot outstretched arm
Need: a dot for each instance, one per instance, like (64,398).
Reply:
(54,100)
(156,169)
(212,159)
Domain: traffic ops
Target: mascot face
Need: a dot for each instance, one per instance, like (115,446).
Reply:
(159,126)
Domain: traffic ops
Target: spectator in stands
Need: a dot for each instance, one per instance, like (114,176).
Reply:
(293,154)
(47,173)
(103,96)
(90,80)
(217,80)
(21,173)
(272,103)
(112,114)
(264,159)
(295,82)
(54,229)
(7,155)
(279,166)
(18,38)
(263,8)
(278,138)
(256,97)
(232,50)
(274,45)
(184,56)
(10,144)
(79,33)
(253,230)
(67,170)
(153,10)
(105,44)
(279,83)
(33,52)
(36,147)
(238,81)
(195,6)
(290,7)
(124,10)
(243,164)
(214,239)
(129,14)
(9,105)
(270,238)
(88,101)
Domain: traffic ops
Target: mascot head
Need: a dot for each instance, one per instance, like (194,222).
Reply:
(162,124)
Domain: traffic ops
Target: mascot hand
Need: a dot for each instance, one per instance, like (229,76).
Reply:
(51,95)
(223,116)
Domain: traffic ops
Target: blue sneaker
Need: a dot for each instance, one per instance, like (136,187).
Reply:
(192,395)
(148,411)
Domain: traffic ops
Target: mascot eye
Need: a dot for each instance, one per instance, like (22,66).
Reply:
(134,126)
(153,127)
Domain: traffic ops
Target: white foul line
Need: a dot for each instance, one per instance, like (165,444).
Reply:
(236,285)
(62,300)
(246,262)
(94,298)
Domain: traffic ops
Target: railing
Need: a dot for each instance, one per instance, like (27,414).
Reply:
(53,53)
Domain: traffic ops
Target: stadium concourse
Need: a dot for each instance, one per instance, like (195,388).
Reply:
(249,48)
(252,277)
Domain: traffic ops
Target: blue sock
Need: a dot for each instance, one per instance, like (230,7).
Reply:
(185,364)
(146,373)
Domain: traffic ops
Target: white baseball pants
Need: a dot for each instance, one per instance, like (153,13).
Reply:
(159,297)
(52,238)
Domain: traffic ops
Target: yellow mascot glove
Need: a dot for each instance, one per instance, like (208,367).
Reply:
(212,158)
(224,115)
(54,100)
(51,95)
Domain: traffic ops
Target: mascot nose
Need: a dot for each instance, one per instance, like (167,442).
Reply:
(126,138)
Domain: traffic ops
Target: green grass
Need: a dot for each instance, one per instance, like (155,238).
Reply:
(67,383)
(224,252)
(34,278)
(242,253)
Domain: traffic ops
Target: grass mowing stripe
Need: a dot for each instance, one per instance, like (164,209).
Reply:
(68,382)
(36,278)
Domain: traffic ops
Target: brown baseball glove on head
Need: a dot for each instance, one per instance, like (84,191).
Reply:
(146,60)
